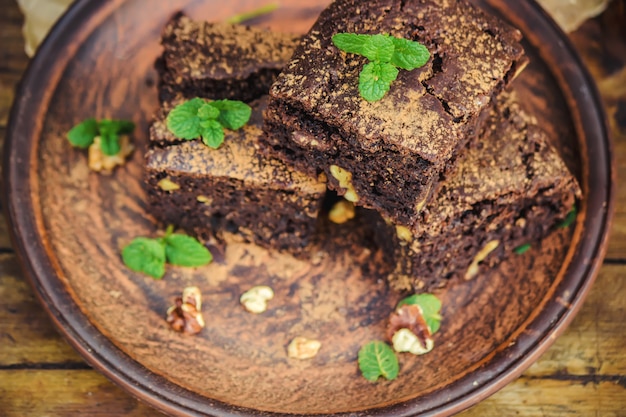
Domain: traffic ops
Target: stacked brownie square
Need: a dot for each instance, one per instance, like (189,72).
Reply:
(422,157)
(510,189)
(389,155)
(232,189)
(219,60)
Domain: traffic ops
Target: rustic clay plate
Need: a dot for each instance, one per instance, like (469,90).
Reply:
(69,224)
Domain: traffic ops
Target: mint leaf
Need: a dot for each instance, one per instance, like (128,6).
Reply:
(522,248)
(351,43)
(183,250)
(212,133)
(208,111)
(378,48)
(145,255)
(123,127)
(570,218)
(233,114)
(83,134)
(377,359)
(375,80)
(430,306)
(183,120)
(409,54)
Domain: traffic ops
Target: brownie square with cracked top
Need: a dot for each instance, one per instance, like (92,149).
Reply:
(220,60)
(512,188)
(389,155)
(232,189)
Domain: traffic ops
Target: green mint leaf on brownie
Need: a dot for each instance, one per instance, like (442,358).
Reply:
(408,54)
(570,218)
(522,248)
(208,111)
(83,134)
(233,114)
(212,133)
(183,250)
(183,120)
(378,48)
(145,255)
(386,54)
(375,80)
(199,118)
(352,43)
(378,359)
(430,306)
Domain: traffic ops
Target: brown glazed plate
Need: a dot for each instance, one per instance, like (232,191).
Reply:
(68,226)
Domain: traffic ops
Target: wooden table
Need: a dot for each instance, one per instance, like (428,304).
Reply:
(583,374)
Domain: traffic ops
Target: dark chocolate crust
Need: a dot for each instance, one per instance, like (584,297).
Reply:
(397,148)
(233,189)
(220,60)
(487,206)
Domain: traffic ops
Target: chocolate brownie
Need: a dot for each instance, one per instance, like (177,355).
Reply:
(232,189)
(220,60)
(511,189)
(389,154)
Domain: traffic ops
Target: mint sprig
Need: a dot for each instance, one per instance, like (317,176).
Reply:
(200,118)
(83,134)
(430,306)
(386,54)
(378,359)
(149,256)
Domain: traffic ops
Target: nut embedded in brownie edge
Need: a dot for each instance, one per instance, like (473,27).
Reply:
(389,154)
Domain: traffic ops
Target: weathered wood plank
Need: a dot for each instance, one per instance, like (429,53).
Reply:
(27,336)
(37,393)
(530,397)
(13,60)
(617,244)
(87,393)
(595,341)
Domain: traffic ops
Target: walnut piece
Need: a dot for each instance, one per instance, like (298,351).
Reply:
(303,348)
(341,212)
(345,181)
(408,331)
(167,184)
(185,316)
(405,340)
(404,234)
(472,270)
(256,298)
(100,162)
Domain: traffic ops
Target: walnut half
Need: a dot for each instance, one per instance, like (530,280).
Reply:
(408,331)
(185,316)
(100,162)
(303,348)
